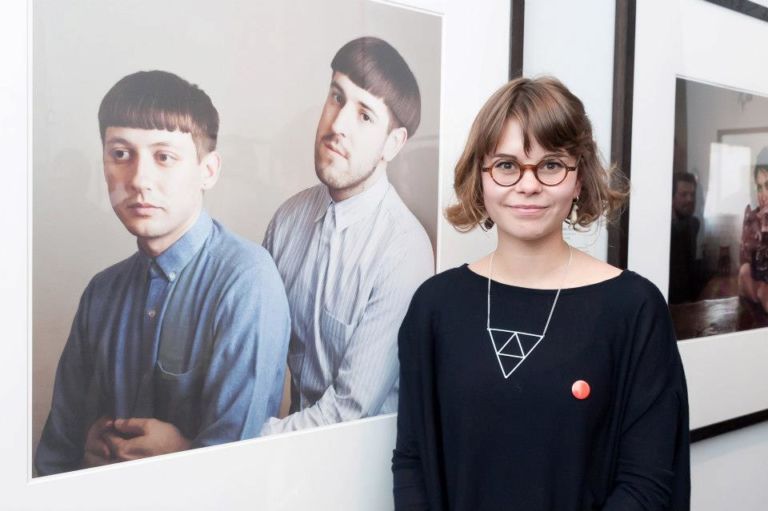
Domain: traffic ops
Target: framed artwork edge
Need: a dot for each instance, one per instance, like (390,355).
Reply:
(700,358)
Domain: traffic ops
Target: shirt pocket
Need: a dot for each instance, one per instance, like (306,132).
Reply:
(178,396)
(335,334)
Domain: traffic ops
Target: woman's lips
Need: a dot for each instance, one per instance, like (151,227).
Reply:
(527,209)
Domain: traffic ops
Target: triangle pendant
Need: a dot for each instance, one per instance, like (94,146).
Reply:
(512,348)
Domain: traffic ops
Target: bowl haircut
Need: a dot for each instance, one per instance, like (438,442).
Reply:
(159,100)
(374,65)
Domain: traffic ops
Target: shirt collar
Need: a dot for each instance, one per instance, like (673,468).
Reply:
(324,202)
(355,208)
(175,258)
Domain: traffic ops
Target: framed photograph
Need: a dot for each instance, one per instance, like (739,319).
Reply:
(274,102)
(267,68)
(716,246)
(688,130)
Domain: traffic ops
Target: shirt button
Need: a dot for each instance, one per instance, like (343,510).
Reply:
(151,313)
(172,276)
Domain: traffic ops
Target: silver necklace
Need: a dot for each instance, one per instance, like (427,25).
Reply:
(512,347)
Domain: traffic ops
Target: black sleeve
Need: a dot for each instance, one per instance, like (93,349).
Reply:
(653,468)
(407,464)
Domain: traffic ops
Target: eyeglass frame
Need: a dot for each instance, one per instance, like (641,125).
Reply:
(533,168)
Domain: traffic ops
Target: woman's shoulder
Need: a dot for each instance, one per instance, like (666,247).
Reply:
(591,271)
(587,270)
(446,281)
(629,297)
(623,288)
(447,289)
(633,285)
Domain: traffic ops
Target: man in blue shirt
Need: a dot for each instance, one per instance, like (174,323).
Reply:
(183,344)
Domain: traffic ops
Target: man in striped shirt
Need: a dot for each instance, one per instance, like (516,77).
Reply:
(349,251)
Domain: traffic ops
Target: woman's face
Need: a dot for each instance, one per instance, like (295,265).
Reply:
(761,181)
(528,210)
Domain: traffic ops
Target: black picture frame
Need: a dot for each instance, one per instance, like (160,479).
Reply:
(516,38)
(744,7)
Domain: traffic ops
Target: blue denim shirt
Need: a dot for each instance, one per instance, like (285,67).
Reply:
(196,336)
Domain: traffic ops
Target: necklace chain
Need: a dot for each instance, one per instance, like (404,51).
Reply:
(515,333)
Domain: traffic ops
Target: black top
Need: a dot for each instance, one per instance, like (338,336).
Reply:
(470,438)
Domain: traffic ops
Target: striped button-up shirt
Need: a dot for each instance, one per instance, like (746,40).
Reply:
(350,269)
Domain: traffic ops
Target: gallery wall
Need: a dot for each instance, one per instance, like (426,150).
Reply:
(342,467)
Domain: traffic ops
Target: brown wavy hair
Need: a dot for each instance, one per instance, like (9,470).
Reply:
(553,117)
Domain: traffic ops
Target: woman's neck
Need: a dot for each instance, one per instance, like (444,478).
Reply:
(535,264)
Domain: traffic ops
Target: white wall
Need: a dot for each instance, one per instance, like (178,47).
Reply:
(731,471)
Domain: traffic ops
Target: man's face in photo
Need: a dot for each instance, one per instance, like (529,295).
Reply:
(156,182)
(684,200)
(351,136)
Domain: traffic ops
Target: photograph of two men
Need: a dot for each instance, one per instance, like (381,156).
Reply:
(232,207)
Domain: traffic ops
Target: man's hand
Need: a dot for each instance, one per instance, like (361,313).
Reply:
(97,451)
(132,439)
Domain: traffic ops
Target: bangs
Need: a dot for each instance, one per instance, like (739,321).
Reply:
(147,113)
(157,100)
(546,118)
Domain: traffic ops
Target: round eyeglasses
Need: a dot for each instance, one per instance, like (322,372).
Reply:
(508,171)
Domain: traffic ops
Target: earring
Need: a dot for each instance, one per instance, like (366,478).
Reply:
(573,214)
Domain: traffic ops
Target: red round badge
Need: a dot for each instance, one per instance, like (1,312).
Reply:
(580,389)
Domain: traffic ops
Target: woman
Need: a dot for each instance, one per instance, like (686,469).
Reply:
(538,378)
(753,272)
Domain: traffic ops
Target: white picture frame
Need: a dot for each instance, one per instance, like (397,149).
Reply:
(701,41)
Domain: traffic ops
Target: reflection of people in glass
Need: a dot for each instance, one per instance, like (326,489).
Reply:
(538,377)
(753,273)
(183,344)
(350,252)
(685,280)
